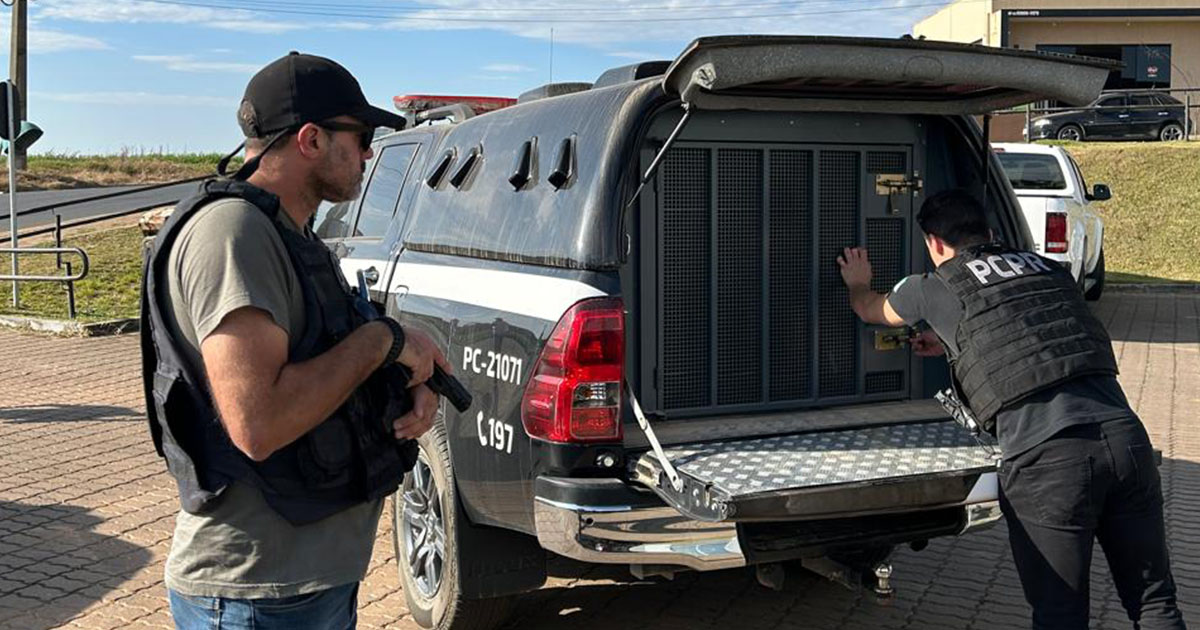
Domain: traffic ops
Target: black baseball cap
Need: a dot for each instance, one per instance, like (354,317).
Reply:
(297,89)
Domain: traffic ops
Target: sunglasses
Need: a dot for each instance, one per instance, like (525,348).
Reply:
(365,134)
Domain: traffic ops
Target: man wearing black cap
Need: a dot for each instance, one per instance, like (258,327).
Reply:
(270,395)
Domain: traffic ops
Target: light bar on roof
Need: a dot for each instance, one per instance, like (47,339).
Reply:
(416,103)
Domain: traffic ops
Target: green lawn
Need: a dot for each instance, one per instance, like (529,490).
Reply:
(1152,223)
(111,289)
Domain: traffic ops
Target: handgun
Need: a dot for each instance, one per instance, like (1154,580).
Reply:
(441,383)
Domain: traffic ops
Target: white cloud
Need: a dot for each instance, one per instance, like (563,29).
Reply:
(352,26)
(187,63)
(634,55)
(136,11)
(506,68)
(46,41)
(136,99)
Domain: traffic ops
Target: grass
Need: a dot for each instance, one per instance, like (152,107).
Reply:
(59,171)
(111,289)
(1152,223)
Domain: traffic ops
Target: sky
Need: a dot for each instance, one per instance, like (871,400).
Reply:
(148,76)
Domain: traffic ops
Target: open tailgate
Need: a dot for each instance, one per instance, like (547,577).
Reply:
(836,473)
(902,76)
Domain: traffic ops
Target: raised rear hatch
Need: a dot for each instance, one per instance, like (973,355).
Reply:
(875,75)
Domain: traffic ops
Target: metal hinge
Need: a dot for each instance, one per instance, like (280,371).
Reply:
(644,425)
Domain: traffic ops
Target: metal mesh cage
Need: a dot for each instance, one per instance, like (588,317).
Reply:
(753,309)
(685,263)
(838,181)
(885,248)
(739,276)
(790,252)
(890,162)
(883,382)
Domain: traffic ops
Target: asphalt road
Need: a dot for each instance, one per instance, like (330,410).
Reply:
(38,198)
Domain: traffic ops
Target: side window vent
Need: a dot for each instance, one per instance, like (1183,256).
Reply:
(564,164)
(434,179)
(523,167)
(464,171)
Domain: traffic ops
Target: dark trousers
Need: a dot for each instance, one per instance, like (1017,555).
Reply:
(1095,481)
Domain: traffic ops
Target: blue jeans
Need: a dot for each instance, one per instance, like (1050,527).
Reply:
(331,609)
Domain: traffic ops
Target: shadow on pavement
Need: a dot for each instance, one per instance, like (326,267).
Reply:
(55,566)
(69,413)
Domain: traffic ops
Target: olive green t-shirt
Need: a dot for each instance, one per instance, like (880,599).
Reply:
(226,257)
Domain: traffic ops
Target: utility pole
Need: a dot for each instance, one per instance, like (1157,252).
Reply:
(17,70)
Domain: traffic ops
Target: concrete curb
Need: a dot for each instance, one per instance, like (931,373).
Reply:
(72,328)
(1166,287)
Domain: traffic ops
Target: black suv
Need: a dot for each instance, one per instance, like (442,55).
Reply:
(637,281)
(1123,116)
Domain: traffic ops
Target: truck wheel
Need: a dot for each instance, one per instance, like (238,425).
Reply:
(1171,132)
(1097,275)
(1070,132)
(425,514)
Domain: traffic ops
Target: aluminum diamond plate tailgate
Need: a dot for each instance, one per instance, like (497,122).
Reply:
(848,472)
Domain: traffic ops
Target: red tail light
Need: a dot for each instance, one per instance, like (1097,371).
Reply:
(1056,233)
(575,392)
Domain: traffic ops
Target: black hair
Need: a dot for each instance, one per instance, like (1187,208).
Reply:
(955,216)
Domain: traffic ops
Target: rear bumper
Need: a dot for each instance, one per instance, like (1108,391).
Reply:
(621,535)
(640,533)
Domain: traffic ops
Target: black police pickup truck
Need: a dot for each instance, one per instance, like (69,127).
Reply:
(669,376)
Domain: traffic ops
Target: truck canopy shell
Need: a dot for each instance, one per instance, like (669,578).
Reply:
(875,75)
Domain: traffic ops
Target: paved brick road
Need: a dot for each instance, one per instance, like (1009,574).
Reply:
(86,512)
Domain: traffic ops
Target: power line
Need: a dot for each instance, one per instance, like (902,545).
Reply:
(268,5)
(500,20)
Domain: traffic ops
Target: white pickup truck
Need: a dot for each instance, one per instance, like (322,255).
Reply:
(1057,207)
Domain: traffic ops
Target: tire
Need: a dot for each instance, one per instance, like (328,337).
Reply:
(1171,132)
(1097,274)
(1070,132)
(433,591)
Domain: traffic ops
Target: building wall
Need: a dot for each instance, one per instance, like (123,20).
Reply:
(971,21)
(959,22)
(1182,35)
(997,5)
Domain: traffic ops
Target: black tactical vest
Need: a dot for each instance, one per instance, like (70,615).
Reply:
(1025,328)
(350,458)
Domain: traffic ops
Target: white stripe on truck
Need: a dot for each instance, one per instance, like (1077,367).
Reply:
(532,295)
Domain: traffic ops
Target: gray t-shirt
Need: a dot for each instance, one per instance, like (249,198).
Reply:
(1037,418)
(228,256)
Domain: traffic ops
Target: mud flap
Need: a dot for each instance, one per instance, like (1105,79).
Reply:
(840,473)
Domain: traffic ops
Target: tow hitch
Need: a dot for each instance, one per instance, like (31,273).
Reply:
(876,578)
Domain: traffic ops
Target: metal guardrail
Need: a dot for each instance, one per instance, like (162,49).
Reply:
(71,277)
